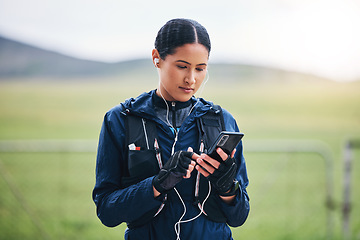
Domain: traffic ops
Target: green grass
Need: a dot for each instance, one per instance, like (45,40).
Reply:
(49,194)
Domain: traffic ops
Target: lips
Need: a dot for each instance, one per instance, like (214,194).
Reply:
(186,89)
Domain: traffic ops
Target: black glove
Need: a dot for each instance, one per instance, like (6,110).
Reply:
(223,178)
(173,171)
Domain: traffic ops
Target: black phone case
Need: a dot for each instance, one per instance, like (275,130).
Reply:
(227,141)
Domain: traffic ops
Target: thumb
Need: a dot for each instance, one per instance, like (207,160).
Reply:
(233,153)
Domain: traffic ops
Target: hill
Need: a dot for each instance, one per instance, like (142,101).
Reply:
(20,60)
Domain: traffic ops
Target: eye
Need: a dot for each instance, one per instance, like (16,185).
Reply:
(200,69)
(181,67)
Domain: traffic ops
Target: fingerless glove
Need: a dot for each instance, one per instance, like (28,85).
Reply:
(173,171)
(223,178)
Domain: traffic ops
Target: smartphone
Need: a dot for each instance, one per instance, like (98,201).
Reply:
(227,141)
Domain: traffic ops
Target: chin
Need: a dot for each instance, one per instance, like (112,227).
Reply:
(183,98)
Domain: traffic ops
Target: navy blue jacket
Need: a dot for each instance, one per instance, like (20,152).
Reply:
(116,204)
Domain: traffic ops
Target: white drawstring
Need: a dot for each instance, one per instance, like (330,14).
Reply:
(145,132)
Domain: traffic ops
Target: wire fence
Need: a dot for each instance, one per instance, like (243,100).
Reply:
(309,147)
(46,190)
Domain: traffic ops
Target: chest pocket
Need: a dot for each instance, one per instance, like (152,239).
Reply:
(143,152)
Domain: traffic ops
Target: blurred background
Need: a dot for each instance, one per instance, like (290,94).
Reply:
(288,70)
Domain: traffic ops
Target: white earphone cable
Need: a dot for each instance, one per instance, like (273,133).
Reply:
(201,91)
(177,224)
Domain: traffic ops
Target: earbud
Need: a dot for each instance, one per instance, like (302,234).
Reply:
(156,62)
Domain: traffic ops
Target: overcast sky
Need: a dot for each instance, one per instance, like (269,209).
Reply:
(314,36)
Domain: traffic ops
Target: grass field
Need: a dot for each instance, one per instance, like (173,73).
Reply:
(48,195)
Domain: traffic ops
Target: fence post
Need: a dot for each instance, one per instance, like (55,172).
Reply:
(346,208)
(347,190)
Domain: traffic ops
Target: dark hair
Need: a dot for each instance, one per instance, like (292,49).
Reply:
(177,32)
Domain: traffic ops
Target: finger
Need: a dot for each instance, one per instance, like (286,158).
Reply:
(194,156)
(210,169)
(233,153)
(190,169)
(222,154)
(214,163)
(191,166)
(202,171)
(187,154)
(188,174)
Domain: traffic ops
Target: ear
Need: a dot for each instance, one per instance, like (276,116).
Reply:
(155,54)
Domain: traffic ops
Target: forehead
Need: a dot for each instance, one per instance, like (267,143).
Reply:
(193,53)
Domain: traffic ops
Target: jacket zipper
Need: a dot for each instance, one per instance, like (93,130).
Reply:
(173,104)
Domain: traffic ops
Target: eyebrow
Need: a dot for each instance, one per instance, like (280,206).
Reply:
(201,64)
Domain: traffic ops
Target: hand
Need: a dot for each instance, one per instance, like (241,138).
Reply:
(178,166)
(221,175)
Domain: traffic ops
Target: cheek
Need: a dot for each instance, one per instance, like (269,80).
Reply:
(198,84)
(172,75)
(201,78)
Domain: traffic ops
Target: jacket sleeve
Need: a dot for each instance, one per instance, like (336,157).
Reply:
(238,211)
(115,205)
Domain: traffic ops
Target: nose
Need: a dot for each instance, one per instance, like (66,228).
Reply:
(190,78)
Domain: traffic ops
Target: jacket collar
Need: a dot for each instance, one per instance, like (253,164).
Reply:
(143,105)
(160,102)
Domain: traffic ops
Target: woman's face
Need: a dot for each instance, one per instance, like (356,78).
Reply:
(182,73)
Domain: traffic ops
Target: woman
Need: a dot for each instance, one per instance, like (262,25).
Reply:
(152,172)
